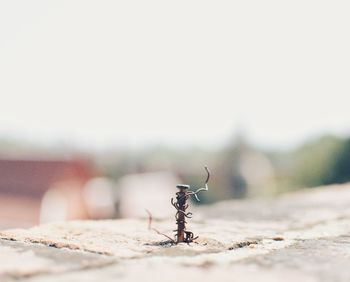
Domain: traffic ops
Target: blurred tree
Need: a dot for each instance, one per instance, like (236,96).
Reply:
(320,162)
(233,180)
(340,168)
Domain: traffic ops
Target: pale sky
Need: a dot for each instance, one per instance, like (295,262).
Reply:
(101,73)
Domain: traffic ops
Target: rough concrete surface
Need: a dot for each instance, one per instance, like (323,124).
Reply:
(303,235)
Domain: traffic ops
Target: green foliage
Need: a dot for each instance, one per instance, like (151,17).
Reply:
(340,170)
(318,163)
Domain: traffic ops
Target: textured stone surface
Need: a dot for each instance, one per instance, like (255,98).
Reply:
(304,235)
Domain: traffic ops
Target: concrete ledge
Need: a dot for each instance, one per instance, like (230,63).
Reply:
(304,235)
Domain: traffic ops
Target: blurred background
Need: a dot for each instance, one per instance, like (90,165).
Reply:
(107,105)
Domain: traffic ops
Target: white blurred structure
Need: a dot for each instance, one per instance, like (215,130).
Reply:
(152,191)
(258,173)
(99,198)
(96,198)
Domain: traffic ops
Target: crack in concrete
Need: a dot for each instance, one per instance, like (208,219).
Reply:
(57,245)
(46,262)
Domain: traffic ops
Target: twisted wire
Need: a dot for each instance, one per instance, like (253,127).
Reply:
(181,198)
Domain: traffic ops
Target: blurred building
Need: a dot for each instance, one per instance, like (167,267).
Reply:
(151,191)
(34,191)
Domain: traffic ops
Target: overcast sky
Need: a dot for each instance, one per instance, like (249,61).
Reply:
(100,73)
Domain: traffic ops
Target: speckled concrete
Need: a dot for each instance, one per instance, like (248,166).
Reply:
(304,235)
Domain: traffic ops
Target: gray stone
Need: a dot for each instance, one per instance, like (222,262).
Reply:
(303,235)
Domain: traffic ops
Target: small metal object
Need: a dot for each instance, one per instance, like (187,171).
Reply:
(182,235)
